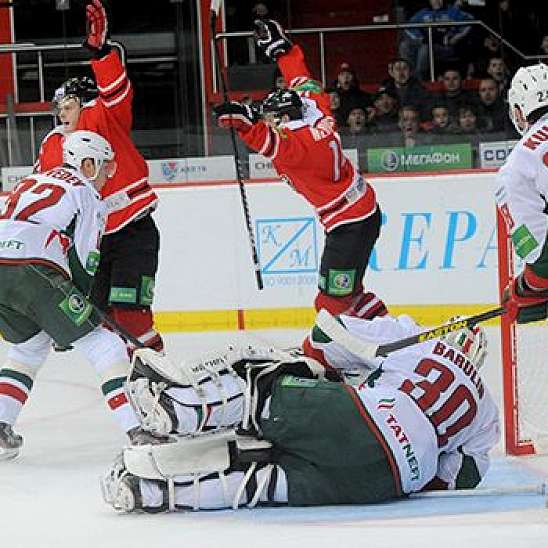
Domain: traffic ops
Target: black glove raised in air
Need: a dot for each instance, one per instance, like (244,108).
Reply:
(271,38)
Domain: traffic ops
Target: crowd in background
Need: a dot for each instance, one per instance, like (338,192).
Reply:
(465,101)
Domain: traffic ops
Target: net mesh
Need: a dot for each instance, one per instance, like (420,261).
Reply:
(531,349)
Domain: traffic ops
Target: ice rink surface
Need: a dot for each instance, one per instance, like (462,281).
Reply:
(50,497)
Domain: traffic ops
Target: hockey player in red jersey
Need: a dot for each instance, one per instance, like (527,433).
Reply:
(124,283)
(297,132)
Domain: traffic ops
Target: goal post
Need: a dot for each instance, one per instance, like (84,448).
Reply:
(524,353)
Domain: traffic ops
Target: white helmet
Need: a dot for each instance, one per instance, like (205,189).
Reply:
(471,341)
(529,91)
(80,145)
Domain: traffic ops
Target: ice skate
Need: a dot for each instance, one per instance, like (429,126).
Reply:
(10,442)
(120,488)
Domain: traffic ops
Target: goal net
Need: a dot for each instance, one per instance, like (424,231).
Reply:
(525,366)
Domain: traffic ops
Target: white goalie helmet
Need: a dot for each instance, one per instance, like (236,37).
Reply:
(80,145)
(528,91)
(471,341)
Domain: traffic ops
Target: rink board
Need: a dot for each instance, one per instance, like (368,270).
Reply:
(437,253)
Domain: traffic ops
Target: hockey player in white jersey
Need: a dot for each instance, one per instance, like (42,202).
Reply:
(523,192)
(284,429)
(50,230)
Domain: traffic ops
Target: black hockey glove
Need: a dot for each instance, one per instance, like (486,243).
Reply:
(271,38)
(97,29)
(237,115)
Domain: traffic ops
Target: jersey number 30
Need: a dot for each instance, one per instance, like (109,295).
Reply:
(427,393)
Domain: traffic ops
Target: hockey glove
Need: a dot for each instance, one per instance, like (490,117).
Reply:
(97,29)
(237,115)
(271,38)
(524,304)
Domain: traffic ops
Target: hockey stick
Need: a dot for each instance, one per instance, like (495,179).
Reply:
(118,329)
(538,489)
(215,5)
(367,350)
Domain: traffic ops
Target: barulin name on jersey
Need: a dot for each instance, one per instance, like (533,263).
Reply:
(462,363)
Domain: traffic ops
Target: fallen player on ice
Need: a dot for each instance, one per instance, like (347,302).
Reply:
(259,426)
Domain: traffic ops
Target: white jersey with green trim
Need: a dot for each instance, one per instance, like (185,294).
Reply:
(428,400)
(523,190)
(46,215)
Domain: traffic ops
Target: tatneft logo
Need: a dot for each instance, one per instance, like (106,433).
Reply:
(12,244)
(404,443)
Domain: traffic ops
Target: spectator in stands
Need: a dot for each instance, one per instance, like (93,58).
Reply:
(492,110)
(467,121)
(384,112)
(411,131)
(448,42)
(489,47)
(441,122)
(357,121)
(348,87)
(335,103)
(497,69)
(407,88)
(453,93)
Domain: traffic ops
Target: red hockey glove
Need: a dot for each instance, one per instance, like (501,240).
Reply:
(271,38)
(237,115)
(524,304)
(97,28)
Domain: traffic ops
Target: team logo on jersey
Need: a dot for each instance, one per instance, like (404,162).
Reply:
(340,282)
(147,290)
(386,404)
(524,241)
(75,306)
(92,262)
(169,170)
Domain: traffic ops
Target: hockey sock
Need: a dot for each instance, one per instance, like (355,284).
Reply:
(107,353)
(140,323)
(18,373)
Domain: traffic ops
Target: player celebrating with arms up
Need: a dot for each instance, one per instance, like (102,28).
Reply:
(298,134)
(124,283)
(523,191)
(50,229)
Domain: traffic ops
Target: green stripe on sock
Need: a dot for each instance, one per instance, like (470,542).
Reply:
(20,377)
(113,384)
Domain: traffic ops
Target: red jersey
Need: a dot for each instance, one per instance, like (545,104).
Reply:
(127,193)
(308,154)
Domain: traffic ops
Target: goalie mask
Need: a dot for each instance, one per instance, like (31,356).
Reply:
(283,101)
(529,92)
(84,89)
(471,341)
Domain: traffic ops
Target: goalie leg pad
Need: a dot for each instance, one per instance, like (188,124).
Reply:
(188,456)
